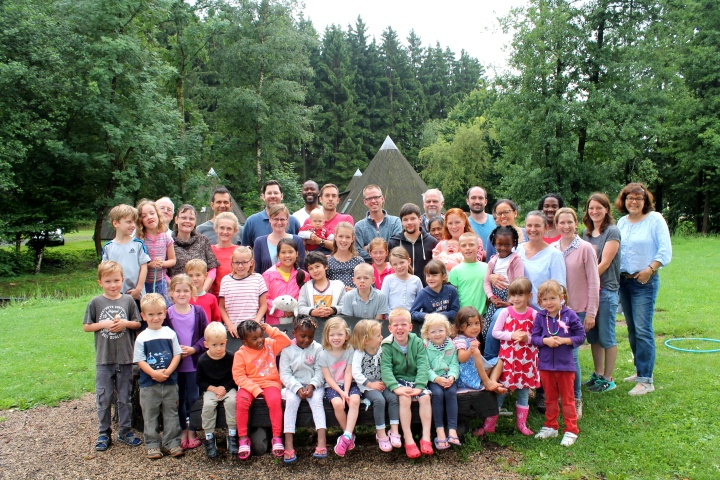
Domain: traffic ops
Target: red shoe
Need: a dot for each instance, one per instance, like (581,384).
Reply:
(411,450)
(426,447)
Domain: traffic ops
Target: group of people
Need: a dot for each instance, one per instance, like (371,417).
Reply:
(500,307)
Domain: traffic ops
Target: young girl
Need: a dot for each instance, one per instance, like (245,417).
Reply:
(503,267)
(378,250)
(444,371)
(226,227)
(556,331)
(336,364)
(518,354)
(366,339)
(196,269)
(283,278)
(302,378)
(255,372)
(242,292)
(159,243)
(437,297)
(320,297)
(189,322)
(401,287)
(473,367)
(344,258)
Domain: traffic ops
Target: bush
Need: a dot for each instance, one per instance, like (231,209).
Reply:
(65,259)
(13,264)
(685,228)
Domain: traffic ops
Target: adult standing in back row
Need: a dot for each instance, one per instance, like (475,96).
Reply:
(258,224)
(377,222)
(481,223)
(219,202)
(329,198)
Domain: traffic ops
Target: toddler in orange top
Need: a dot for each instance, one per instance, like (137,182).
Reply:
(255,372)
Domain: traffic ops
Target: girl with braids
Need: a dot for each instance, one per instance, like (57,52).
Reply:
(283,278)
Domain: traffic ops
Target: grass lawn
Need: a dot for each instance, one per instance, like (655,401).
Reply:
(672,433)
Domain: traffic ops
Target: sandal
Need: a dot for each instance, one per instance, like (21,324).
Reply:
(289,456)
(453,440)
(441,444)
(278,449)
(193,443)
(244,448)
(184,444)
(426,447)
(411,450)
(103,442)
(154,454)
(384,444)
(395,440)
(129,439)
(320,453)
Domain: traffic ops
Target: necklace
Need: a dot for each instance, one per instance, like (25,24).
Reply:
(547,324)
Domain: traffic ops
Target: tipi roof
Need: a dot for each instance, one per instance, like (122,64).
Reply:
(390,170)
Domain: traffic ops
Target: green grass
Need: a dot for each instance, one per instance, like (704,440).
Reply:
(670,434)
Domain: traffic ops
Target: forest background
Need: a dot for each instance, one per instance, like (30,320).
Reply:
(110,101)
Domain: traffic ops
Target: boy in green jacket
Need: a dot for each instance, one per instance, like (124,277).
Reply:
(404,368)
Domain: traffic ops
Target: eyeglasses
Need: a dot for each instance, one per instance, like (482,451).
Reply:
(373,199)
(634,199)
(505,213)
(278,220)
(241,262)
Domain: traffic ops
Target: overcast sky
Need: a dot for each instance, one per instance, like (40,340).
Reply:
(459,24)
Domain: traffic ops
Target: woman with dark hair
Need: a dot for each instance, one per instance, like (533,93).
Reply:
(283,278)
(505,213)
(645,248)
(189,245)
(549,204)
(265,247)
(604,236)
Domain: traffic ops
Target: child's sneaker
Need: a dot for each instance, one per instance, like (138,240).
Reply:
(211,447)
(593,380)
(568,439)
(154,454)
(603,385)
(631,378)
(343,445)
(504,412)
(641,388)
(546,432)
(176,451)
(232,445)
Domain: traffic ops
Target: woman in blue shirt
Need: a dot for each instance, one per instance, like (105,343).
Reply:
(645,248)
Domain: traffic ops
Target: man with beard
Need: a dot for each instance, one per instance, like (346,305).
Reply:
(258,224)
(329,198)
(433,202)
(481,223)
(310,195)
(377,222)
(219,202)
(418,243)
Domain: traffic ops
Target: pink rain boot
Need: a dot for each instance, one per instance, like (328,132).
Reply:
(521,415)
(488,426)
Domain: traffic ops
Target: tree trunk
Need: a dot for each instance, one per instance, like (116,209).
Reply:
(706,210)
(18,243)
(97,233)
(39,252)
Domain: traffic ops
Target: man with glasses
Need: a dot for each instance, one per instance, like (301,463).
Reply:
(481,223)
(377,222)
(329,199)
(219,202)
(258,224)
(433,202)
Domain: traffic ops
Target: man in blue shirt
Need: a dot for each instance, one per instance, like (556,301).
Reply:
(377,222)
(258,224)
(481,223)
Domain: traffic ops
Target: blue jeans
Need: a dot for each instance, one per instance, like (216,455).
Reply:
(603,333)
(638,303)
(577,385)
(523,395)
(444,400)
(492,344)
(188,393)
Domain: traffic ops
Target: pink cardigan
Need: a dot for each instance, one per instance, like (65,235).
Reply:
(583,281)
(515,270)
(277,286)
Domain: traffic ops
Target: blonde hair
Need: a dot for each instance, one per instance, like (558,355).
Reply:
(399,312)
(226,216)
(108,268)
(362,331)
(432,319)
(550,287)
(152,300)
(471,235)
(335,323)
(401,253)
(179,279)
(138,221)
(352,232)
(365,268)
(118,212)
(244,250)
(196,264)
(215,330)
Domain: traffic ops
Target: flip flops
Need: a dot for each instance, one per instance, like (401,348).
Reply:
(453,440)
(289,456)
(320,453)
(441,444)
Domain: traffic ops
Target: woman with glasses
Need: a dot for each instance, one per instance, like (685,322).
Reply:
(265,248)
(505,213)
(645,248)
(189,245)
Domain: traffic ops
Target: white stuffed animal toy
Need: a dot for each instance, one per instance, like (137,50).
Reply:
(285,303)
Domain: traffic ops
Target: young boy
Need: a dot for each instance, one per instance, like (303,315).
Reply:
(365,301)
(197,271)
(157,353)
(468,276)
(404,367)
(215,380)
(128,251)
(113,316)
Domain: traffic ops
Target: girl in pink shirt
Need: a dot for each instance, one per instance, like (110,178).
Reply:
(283,278)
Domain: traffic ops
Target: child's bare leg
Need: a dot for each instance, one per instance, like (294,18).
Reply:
(322,438)
(490,385)
(406,418)
(352,414)
(339,409)
(496,372)
(395,429)
(426,416)
(289,441)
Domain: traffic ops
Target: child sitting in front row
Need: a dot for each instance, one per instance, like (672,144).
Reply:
(302,378)
(405,372)
(556,331)
(443,373)
(366,339)
(255,372)
(336,364)
(216,384)
(364,301)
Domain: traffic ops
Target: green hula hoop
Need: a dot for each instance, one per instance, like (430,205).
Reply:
(668,344)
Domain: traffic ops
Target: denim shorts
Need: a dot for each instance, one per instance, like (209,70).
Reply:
(330,393)
(405,383)
(603,332)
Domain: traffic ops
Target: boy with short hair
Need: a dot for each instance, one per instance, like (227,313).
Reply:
(158,354)
(365,301)
(113,316)
(128,251)
(197,271)
(215,380)
(468,276)
(404,366)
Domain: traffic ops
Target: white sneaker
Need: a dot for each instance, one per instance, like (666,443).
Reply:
(641,389)
(631,378)
(579,408)
(504,412)
(568,439)
(546,432)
